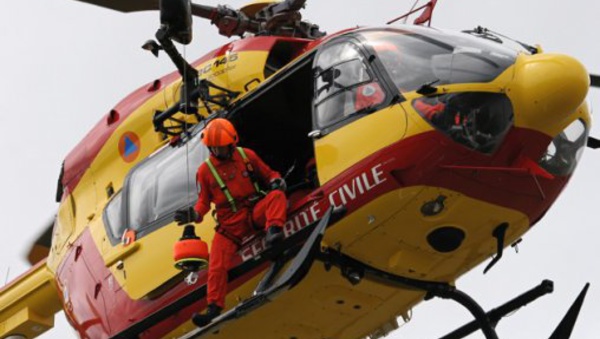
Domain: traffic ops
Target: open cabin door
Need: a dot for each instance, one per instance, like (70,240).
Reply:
(275,119)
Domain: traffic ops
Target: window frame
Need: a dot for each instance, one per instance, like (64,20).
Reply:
(498,138)
(373,68)
(114,239)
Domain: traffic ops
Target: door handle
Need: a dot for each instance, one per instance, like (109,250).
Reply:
(121,254)
(316,134)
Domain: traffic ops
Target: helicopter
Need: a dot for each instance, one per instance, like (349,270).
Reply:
(365,183)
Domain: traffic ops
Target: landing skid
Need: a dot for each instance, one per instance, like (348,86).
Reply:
(266,290)
(486,322)
(562,331)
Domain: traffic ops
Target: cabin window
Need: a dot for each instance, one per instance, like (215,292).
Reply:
(163,183)
(154,189)
(344,84)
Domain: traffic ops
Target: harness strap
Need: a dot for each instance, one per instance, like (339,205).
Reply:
(222,185)
(250,169)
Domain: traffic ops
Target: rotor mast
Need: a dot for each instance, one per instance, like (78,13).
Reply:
(280,18)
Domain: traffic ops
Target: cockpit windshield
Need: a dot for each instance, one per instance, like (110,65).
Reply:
(422,56)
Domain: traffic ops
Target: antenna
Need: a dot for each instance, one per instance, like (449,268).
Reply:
(7,275)
(425,17)
(411,9)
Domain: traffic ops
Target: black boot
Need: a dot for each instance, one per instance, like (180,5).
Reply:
(274,236)
(201,320)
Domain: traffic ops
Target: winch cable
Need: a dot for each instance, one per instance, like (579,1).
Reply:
(185,132)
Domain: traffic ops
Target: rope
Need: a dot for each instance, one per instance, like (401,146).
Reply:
(185,132)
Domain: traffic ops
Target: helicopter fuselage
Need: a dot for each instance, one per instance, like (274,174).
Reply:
(429,160)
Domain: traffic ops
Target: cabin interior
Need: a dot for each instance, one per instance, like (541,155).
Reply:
(275,122)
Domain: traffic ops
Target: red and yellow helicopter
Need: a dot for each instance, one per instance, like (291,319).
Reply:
(436,150)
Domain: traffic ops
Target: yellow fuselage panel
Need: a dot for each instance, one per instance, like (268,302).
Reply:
(352,143)
(235,70)
(391,232)
(546,90)
(142,269)
(28,305)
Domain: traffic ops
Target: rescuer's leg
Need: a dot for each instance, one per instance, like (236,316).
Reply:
(270,212)
(221,252)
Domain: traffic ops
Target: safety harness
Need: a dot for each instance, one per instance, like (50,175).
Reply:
(222,185)
(225,189)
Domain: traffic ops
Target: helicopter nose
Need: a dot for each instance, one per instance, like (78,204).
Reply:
(546,90)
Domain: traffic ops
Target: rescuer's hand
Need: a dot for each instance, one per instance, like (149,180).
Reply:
(278,184)
(185,216)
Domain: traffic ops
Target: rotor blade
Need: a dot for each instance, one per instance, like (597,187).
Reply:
(593,143)
(204,11)
(126,5)
(594,80)
(41,246)
(564,329)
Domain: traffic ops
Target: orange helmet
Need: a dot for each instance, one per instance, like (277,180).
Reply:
(219,132)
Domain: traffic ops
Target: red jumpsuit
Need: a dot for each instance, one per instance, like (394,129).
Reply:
(269,211)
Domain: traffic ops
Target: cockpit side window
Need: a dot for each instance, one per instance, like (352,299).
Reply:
(344,84)
(155,189)
(340,77)
(563,153)
(476,120)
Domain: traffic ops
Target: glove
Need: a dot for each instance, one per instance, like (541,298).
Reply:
(278,184)
(185,216)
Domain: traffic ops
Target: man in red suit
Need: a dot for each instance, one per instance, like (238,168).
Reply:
(232,179)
